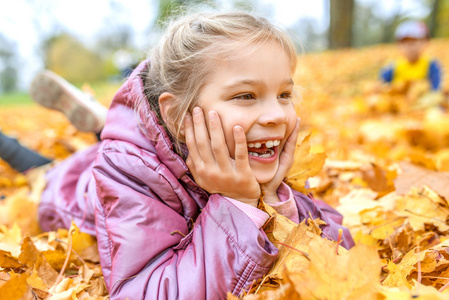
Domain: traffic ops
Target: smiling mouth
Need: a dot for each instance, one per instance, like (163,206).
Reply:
(263,149)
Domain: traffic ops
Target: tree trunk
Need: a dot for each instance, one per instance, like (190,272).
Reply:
(340,25)
(433,22)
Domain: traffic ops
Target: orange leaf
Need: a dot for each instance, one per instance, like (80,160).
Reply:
(414,176)
(29,254)
(16,287)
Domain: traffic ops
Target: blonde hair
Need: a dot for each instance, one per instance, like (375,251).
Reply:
(184,58)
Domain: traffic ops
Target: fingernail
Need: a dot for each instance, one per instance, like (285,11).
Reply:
(196,110)
(212,115)
(238,129)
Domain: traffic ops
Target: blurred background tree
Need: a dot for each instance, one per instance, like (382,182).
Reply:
(69,58)
(8,62)
(170,8)
(439,18)
(341,23)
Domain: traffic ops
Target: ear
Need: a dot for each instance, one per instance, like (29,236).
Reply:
(166,100)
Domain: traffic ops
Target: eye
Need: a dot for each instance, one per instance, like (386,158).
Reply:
(244,97)
(285,96)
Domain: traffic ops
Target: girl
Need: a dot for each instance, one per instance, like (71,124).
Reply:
(198,133)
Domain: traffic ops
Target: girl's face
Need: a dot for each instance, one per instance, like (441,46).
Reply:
(253,89)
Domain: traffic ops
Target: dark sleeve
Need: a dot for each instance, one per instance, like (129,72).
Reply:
(387,73)
(435,75)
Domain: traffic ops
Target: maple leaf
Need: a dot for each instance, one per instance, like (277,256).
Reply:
(423,206)
(306,164)
(16,287)
(351,275)
(428,263)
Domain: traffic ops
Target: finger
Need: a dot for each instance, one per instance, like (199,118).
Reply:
(190,138)
(218,141)
(194,160)
(287,155)
(202,136)
(241,149)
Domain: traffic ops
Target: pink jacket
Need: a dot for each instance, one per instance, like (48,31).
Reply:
(160,236)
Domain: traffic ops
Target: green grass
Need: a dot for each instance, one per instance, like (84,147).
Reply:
(101,90)
(15,98)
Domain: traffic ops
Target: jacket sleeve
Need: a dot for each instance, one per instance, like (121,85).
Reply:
(387,73)
(143,252)
(434,75)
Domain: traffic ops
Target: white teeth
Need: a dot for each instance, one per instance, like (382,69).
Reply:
(268,144)
(269,154)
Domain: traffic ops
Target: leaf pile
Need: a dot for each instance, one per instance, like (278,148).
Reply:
(378,154)
(52,265)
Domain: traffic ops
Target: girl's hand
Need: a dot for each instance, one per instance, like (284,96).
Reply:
(210,163)
(286,160)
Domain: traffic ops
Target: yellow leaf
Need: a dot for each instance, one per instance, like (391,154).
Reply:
(430,260)
(306,164)
(85,273)
(366,239)
(423,206)
(16,287)
(36,282)
(80,240)
(351,275)
(385,230)
(279,226)
(11,236)
(69,294)
(55,258)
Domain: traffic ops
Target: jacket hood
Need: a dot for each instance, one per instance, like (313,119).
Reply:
(125,121)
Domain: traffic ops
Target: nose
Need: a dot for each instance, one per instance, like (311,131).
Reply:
(274,113)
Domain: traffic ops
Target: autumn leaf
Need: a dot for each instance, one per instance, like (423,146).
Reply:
(29,254)
(415,176)
(7,261)
(351,275)
(429,263)
(424,206)
(16,287)
(305,165)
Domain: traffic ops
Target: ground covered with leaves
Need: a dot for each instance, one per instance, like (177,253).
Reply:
(379,155)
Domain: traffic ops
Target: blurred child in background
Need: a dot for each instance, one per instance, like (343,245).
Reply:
(414,74)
